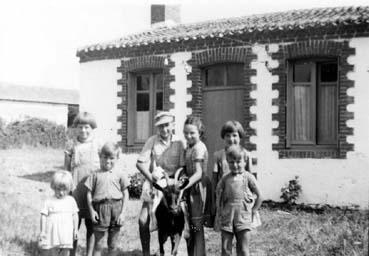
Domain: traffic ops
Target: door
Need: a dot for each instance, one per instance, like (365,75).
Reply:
(223,94)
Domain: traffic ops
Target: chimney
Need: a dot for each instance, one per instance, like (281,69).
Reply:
(165,15)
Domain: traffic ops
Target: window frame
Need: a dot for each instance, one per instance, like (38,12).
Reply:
(316,83)
(225,86)
(132,103)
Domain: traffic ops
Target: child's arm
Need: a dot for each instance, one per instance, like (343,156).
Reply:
(42,227)
(94,215)
(75,226)
(255,189)
(124,200)
(196,176)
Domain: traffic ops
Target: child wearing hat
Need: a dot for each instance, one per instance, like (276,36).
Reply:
(162,154)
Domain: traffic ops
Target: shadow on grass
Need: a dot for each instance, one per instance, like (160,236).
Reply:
(29,247)
(40,176)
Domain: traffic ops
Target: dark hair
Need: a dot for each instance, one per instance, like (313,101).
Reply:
(232,126)
(110,149)
(234,152)
(85,118)
(196,121)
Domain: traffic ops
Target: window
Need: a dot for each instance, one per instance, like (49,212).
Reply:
(223,75)
(145,100)
(312,104)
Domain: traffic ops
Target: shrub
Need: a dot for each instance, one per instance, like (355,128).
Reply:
(135,188)
(291,192)
(32,132)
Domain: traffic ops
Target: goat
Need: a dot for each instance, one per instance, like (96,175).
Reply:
(169,215)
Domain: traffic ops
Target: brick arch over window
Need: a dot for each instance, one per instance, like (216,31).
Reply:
(224,55)
(307,49)
(135,65)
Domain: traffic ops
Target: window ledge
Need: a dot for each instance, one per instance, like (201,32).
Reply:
(309,153)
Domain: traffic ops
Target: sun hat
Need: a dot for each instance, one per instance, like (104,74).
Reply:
(163,118)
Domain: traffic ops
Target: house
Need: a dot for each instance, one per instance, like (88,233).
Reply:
(19,102)
(297,81)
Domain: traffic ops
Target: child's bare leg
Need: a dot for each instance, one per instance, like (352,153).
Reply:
(113,242)
(186,231)
(99,242)
(243,240)
(227,238)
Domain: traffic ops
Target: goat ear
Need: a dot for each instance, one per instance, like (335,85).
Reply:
(158,187)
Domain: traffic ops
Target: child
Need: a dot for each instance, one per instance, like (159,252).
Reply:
(82,159)
(106,197)
(235,203)
(196,157)
(232,133)
(59,217)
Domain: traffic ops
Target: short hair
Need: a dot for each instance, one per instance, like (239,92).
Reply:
(196,121)
(110,149)
(62,180)
(234,152)
(232,126)
(85,118)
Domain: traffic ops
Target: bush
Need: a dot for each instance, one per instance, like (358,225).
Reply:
(135,188)
(32,132)
(291,192)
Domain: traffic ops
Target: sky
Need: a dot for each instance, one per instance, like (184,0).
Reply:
(39,38)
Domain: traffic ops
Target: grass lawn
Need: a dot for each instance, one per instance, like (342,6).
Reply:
(24,184)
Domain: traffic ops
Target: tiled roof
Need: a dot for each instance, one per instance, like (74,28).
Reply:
(288,20)
(38,94)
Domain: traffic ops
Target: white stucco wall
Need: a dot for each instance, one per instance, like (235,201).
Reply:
(19,110)
(98,95)
(341,182)
(180,85)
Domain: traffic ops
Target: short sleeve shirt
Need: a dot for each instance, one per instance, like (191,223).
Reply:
(197,152)
(167,155)
(107,184)
(221,165)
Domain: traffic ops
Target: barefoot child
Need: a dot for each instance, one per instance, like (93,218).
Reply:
(196,158)
(82,159)
(59,217)
(235,203)
(106,197)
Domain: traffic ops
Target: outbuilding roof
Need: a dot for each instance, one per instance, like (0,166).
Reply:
(13,92)
(287,20)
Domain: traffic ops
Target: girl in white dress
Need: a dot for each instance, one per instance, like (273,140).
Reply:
(59,217)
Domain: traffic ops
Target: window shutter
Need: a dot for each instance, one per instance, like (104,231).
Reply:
(131,121)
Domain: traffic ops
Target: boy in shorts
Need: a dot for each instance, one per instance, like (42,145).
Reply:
(107,194)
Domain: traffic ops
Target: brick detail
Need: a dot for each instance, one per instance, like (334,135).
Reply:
(135,65)
(223,55)
(314,48)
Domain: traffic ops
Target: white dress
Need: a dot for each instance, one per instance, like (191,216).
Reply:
(59,222)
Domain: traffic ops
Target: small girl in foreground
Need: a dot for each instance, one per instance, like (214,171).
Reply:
(235,203)
(59,217)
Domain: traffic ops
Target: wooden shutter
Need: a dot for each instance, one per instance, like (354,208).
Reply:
(327,104)
(131,120)
(301,103)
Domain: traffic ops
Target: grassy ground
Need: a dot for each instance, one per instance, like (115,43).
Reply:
(24,178)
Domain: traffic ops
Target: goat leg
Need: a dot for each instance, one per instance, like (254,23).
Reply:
(162,239)
(176,238)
